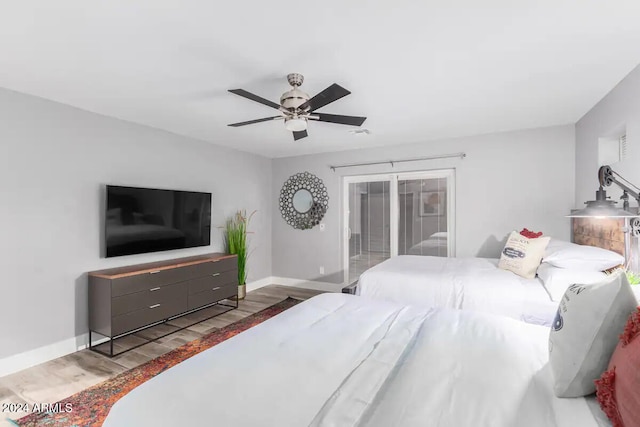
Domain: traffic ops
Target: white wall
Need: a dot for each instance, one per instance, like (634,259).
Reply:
(55,160)
(508,181)
(619,110)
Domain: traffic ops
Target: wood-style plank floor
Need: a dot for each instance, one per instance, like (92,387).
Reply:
(65,376)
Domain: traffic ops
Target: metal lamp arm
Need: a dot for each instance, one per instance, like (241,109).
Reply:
(606,177)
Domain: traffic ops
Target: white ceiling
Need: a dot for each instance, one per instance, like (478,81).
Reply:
(419,70)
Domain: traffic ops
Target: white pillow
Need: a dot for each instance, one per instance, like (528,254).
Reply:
(522,255)
(581,257)
(585,332)
(555,245)
(556,280)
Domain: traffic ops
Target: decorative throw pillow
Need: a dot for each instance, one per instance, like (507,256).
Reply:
(580,257)
(585,333)
(522,255)
(557,280)
(530,234)
(618,390)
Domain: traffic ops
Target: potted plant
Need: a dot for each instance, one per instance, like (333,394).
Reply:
(236,231)
(634,278)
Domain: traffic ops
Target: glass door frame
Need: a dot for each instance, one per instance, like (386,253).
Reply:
(393,220)
(394,214)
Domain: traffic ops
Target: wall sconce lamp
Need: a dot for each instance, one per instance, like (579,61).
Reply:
(602,207)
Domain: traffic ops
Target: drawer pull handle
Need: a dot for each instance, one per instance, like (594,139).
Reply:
(215,274)
(154,306)
(154,289)
(215,289)
(154,272)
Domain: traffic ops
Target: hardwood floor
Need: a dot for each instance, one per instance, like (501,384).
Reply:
(62,377)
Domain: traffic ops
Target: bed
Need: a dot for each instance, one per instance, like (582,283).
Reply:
(341,360)
(463,283)
(436,245)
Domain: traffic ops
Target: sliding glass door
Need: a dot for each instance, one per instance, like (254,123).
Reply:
(369,225)
(397,214)
(424,213)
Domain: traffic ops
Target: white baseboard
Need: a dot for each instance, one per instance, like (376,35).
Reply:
(27,359)
(296,283)
(34,357)
(257,284)
(307,284)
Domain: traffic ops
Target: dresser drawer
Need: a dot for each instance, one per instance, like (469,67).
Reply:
(139,300)
(210,296)
(219,266)
(144,281)
(150,314)
(226,264)
(211,281)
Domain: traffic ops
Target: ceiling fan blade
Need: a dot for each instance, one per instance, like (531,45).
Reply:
(250,122)
(327,96)
(256,98)
(336,118)
(300,135)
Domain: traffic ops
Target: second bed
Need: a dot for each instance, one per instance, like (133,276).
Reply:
(475,284)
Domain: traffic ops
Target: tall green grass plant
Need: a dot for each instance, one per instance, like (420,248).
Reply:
(236,243)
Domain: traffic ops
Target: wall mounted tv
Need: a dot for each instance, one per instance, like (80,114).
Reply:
(140,220)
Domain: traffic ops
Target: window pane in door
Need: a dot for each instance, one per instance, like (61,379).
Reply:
(422,222)
(369,225)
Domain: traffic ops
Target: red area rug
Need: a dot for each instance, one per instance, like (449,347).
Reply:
(91,406)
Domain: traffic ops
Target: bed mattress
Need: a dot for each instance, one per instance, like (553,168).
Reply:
(475,284)
(340,360)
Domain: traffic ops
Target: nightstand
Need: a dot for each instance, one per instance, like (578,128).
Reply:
(350,289)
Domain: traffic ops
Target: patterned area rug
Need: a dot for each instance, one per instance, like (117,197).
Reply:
(91,406)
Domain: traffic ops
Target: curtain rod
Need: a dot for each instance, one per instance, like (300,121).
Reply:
(392,162)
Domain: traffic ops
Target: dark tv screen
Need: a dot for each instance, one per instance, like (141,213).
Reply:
(140,220)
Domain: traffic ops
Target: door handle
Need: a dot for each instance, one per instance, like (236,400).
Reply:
(154,289)
(215,274)
(215,289)
(154,306)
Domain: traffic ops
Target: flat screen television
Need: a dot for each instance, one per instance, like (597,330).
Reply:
(140,220)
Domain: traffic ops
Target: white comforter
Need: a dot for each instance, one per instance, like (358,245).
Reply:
(475,284)
(339,360)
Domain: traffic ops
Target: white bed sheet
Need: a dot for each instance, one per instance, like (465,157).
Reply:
(475,284)
(343,361)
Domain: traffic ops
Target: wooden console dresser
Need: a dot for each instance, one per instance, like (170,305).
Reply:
(124,300)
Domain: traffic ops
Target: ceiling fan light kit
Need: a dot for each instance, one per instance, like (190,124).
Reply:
(296,107)
(295,124)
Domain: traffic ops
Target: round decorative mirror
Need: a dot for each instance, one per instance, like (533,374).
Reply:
(303,200)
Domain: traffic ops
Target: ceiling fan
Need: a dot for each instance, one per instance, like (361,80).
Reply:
(296,107)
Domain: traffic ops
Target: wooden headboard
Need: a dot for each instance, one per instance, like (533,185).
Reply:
(603,233)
